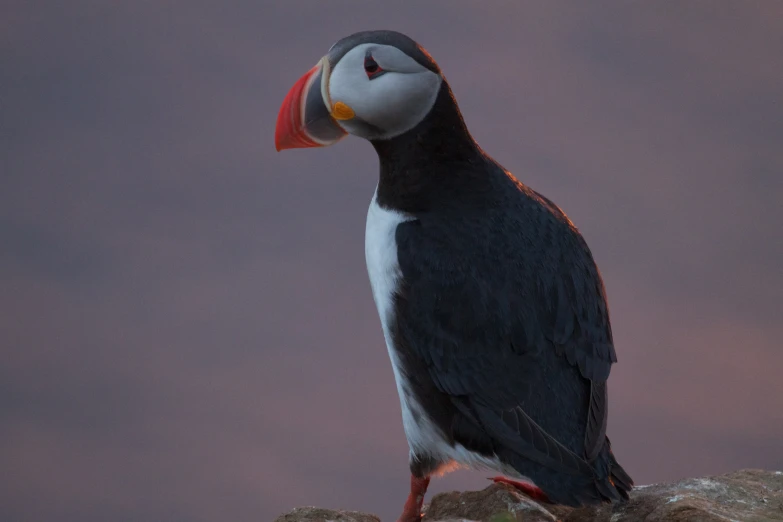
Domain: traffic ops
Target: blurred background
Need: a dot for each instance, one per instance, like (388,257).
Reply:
(187,331)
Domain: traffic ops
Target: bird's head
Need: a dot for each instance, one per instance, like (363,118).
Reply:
(374,84)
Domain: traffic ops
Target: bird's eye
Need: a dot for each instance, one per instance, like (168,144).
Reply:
(371,67)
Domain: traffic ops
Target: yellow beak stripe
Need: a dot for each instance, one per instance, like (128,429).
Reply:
(341,111)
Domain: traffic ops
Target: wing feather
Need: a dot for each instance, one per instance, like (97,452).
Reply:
(482,328)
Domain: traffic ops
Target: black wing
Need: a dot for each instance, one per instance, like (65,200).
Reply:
(495,304)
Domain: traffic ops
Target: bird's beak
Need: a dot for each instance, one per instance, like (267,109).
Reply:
(305,118)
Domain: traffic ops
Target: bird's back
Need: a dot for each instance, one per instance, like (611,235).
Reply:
(504,307)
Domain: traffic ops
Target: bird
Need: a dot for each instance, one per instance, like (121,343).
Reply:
(492,308)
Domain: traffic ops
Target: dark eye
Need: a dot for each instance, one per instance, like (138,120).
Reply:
(371,67)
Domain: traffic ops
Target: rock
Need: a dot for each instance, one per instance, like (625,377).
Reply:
(742,496)
(314,514)
(498,503)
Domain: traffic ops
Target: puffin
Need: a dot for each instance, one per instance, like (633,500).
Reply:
(492,308)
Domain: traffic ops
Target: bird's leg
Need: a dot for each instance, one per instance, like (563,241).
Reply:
(412,510)
(528,489)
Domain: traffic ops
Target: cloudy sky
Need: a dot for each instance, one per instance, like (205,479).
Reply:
(187,331)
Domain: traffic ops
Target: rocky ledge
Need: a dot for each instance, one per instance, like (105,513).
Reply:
(743,496)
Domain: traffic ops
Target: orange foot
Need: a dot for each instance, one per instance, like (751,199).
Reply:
(412,510)
(528,489)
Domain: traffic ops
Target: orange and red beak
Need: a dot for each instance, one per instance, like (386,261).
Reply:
(305,118)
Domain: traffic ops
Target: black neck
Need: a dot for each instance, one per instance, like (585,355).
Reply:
(428,161)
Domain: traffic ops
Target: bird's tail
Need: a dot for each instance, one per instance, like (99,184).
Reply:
(612,481)
(608,481)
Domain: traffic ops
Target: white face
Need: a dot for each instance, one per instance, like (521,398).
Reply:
(385,104)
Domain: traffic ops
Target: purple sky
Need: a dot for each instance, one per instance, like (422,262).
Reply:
(186,326)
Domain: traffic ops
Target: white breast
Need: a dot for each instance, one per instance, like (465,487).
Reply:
(380,249)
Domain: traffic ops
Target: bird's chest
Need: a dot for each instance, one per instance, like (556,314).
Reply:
(380,250)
